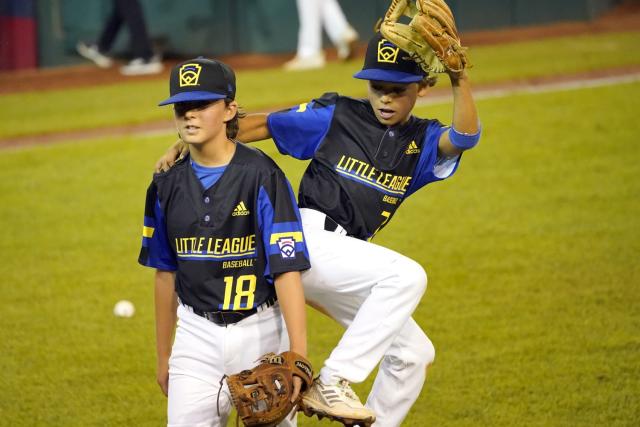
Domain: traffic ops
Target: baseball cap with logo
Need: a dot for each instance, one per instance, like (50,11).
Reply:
(386,62)
(201,79)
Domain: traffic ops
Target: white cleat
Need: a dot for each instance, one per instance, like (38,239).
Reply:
(337,402)
(91,52)
(346,46)
(140,66)
(305,63)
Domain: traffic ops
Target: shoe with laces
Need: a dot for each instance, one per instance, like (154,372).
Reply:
(337,402)
(347,45)
(141,66)
(305,63)
(91,52)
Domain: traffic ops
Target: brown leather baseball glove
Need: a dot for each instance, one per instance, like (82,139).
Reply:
(431,38)
(262,395)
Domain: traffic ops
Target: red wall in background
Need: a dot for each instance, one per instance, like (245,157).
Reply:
(17,43)
(17,35)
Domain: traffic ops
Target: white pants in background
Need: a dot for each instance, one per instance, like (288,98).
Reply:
(372,291)
(204,352)
(313,16)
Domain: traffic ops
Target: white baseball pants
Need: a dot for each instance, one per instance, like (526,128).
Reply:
(372,291)
(313,15)
(203,352)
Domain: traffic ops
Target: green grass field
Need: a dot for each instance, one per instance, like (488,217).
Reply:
(532,252)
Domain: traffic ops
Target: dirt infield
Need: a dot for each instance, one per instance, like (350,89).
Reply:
(438,95)
(623,18)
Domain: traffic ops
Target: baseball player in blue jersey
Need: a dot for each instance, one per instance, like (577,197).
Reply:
(223,232)
(367,156)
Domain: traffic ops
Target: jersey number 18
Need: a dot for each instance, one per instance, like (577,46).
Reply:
(244,287)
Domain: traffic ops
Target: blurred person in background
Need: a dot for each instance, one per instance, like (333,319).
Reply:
(313,16)
(143,60)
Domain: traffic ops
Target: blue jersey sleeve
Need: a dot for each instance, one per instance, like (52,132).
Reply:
(300,130)
(431,167)
(281,228)
(156,251)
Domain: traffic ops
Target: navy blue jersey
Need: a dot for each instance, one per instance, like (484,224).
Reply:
(361,170)
(227,242)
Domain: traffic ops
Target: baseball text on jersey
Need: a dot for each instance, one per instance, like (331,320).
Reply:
(390,200)
(238,263)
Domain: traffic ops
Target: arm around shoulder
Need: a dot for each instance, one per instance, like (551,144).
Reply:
(253,127)
(178,150)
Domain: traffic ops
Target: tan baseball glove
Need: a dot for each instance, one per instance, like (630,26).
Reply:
(262,395)
(431,38)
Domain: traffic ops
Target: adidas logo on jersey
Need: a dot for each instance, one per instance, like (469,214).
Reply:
(240,210)
(412,148)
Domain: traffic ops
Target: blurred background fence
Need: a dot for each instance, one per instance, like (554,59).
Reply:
(44,33)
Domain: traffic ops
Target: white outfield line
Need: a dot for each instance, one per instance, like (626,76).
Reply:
(439,96)
(480,93)
(515,88)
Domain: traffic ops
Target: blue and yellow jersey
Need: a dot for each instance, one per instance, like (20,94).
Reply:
(361,170)
(225,242)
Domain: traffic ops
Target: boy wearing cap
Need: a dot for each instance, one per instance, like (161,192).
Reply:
(223,231)
(367,156)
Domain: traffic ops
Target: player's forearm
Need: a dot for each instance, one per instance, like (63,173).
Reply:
(253,128)
(465,115)
(165,305)
(291,298)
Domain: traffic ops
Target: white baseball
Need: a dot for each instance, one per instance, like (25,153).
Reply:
(124,308)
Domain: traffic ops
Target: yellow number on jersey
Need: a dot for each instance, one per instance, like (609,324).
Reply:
(386,216)
(247,281)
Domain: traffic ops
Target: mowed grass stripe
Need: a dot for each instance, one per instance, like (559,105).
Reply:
(577,83)
(531,252)
(33,113)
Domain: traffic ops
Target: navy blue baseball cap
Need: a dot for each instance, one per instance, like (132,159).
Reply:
(201,79)
(386,62)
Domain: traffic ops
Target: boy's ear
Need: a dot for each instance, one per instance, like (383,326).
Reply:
(231,109)
(425,84)
(423,88)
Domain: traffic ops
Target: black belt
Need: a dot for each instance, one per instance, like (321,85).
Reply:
(224,318)
(329,224)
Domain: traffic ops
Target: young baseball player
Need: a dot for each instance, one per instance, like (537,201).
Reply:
(223,231)
(367,156)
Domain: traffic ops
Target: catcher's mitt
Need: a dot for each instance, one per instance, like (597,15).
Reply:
(431,38)
(262,395)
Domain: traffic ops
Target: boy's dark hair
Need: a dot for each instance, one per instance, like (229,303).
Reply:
(232,125)
(428,81)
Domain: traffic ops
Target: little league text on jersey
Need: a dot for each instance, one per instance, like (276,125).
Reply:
(364,172)
(209,247)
